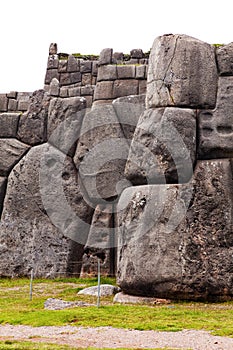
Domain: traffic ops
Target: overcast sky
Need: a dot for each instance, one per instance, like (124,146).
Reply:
(27,28)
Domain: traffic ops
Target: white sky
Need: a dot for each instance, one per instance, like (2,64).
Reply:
(27,27)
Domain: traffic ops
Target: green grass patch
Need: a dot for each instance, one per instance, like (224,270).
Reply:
(16,308)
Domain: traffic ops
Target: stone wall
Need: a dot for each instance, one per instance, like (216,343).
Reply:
(14,101)
(104,77)
(175,226)
(120,154)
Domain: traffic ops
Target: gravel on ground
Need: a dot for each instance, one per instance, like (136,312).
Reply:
(108,337)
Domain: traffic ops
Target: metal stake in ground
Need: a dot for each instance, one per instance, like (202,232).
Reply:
(98,298)
(31,281)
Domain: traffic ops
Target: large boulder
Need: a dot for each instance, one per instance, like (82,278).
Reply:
(182,72)
(11,151)
(9,124)
(163,148)
(45,221)
(101,153)
(176,241)
(33,123)
(65,117)
(128,110)
(216,126)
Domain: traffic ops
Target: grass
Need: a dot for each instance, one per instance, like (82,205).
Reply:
(16,308)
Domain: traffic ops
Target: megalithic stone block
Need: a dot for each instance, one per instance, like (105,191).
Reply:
(182,72)
(44,216)
(163,149)
(101,153)
(215,127)
(176,241)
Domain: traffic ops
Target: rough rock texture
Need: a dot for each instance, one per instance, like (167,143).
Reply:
(9,124)
(163,148)
(45,219)
(216,126)
(59,304)
(105,56)
(11,151)
(64,122)
(182,72)
(123,298)
(128,110)
(33,124)
(167,252)
(101,153)
(3,181)
(224,56)
(100,243)
(105,290)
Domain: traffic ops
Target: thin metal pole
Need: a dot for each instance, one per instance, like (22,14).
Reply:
(98,299)
(31,281)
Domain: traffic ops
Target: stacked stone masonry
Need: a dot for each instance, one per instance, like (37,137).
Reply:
(124,154)
(106,77)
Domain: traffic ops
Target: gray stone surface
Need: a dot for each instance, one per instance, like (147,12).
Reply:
(126,72)
(125,87)
(50,74)
(3,181)
(32,127)
(3,103)
(163,149)
(100,243)
(85,66)
(141,72)
(65,118)
(108,72)
(105,290)
(105,56)
(72,64)
(54,88)
(9,124)
(182,72)
(45,221)
(224,56)
(136,53)
(123,298)
(215,127)
(11,151)
(59,304)
(53,49)
(101,153)
(104,90)
(128,110)
(175,241)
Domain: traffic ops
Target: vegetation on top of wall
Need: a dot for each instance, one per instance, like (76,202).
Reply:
(90,57)
(218,45)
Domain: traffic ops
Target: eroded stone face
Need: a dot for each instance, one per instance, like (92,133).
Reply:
(11,151)
(65,118)
(39,227)
(182,72)
(3,182)
(101,153)
(33,123)
(176,241)
(128,110)
(215,127)
(224,56)
(163,149)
